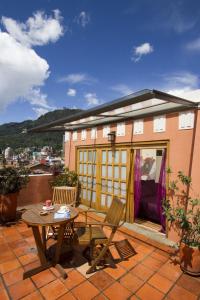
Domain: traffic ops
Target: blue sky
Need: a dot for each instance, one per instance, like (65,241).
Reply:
(56,54)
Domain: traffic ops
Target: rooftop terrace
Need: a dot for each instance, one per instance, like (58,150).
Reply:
(150,273)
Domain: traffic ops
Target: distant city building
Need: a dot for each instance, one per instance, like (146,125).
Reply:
(8,153)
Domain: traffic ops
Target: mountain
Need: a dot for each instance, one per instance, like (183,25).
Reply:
(11,134)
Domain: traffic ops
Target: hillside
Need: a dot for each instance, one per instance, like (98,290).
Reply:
(11,133)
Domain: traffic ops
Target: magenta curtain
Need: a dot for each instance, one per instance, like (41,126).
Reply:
(161,191)
(137,182)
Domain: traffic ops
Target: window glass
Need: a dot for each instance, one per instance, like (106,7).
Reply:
(116,188)
(89,169)
(85,156)
(103,185)
(109,200)
(123,188)
(80,155)
(93,196)
(103,171)
(123,173)
(123,156)
(110,157)
(116,172)
(116,157)
(81,168)
(103,157)
(103,199)
(109,186)
(85,169)
(109,171)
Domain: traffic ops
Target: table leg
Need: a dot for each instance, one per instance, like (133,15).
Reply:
(39,244)
(61,232)
(44,238)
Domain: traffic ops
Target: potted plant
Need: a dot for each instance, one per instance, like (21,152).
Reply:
(184,212)
(12,180)
(67,178)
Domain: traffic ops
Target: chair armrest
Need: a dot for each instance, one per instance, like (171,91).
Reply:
(100,224)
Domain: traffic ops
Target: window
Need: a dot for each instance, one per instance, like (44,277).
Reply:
(93,133)
(159,124)
(186,120)
(74,136)
(121,129)
(138,127)
(106,130)
(83,135)
(67,136)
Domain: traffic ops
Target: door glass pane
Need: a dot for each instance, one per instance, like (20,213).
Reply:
(109,200)
(94,170)
(88,195)
(80,178)
(110,157)
(116,188)
(85,169)
(116,160)
(103,185)
(93,196)
(94,156)
(109,186)
(103,171)
(89,182)
(89,169)
(123,189)
(123,156)
(90,156)
(84,180)
(94,183)
(109,171)
(80,155)
(104,157)
(84,193)
(103,199)
(116,172)
(80,168)
(85,156)
(123,173)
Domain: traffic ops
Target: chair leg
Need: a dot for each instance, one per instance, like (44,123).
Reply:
(97,259)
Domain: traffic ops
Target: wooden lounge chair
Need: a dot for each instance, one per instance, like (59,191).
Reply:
(94,235)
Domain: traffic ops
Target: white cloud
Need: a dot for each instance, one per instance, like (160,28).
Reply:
(182,80)
(92,99)
(194,45)
(37,30)
(71,92)
(183,84)
(83,19)
(40,111)
(141,50)
(77,78)
(123,89)
(21,69)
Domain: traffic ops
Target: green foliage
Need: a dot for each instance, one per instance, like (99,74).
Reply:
(12,179)
(186,215)
(11,134)
(67,178)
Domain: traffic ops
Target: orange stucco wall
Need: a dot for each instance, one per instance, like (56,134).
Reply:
(179,152)
(37,190)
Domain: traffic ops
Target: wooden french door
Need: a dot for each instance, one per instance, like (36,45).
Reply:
(103,173)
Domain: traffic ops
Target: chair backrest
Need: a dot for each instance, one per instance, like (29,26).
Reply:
(64,195)
(115,212)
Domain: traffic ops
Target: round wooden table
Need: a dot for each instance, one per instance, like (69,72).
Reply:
(34,220)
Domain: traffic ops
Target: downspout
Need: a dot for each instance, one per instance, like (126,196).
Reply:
(192,152)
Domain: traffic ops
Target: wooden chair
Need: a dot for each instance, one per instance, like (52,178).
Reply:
(64,195)
(94,235)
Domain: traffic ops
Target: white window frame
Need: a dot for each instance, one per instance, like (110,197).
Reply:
(67,136)
(121,129)
(83,134)
(74,136)
(186,120)
(106,131)
(93,133)
(138,126)
(159,124)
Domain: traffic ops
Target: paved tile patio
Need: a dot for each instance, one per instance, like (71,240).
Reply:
(150,273)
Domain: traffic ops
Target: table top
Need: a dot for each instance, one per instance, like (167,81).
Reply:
(32,216)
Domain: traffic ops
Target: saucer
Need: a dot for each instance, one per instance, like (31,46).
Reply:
(48,207)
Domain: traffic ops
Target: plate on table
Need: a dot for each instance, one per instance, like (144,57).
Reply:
(46,208)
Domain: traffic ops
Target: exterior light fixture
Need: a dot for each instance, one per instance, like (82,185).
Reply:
(111,137)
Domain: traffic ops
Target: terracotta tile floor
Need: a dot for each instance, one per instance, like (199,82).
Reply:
(149,273)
